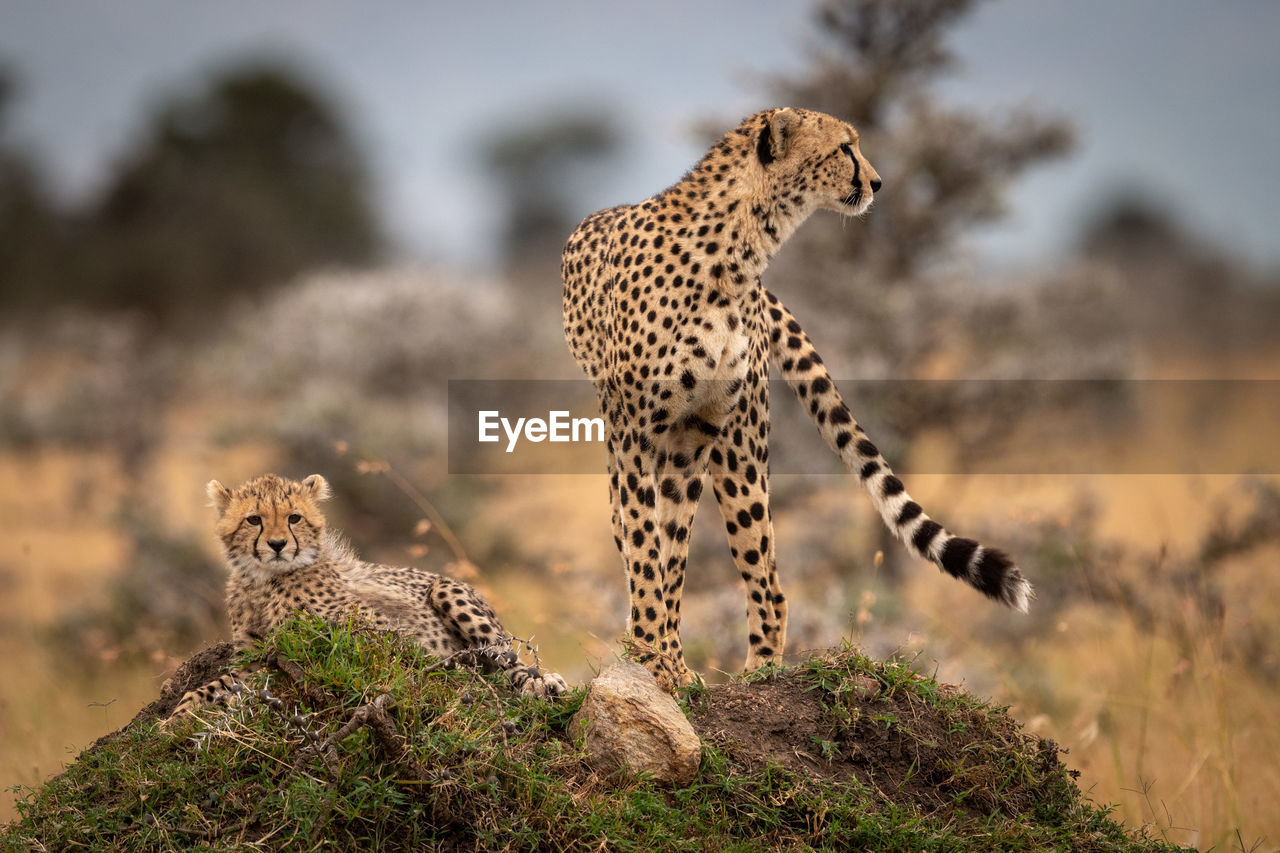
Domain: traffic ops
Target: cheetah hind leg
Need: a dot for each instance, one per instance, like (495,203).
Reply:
(471,618)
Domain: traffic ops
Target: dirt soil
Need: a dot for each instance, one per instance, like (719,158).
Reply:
(897,744)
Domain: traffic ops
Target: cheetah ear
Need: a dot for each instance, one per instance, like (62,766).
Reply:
(318,487)
(773,140)
(220,495)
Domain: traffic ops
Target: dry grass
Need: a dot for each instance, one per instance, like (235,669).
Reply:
(1170,730)
(58,549)
(1166,706)
(46,717)
(1169,717)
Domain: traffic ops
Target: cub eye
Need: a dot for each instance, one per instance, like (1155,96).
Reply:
(255,520)
(294,518)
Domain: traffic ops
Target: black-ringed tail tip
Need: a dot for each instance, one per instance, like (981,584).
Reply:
(988,570)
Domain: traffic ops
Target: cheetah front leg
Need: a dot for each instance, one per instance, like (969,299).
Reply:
(615,511)
(220,691)
(644,515)
(617,505)
(643,638)
(470,618)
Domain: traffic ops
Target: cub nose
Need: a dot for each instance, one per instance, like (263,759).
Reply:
(875,185)
(277,545)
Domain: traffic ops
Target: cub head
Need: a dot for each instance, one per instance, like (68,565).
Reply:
(270,525)
(814,160)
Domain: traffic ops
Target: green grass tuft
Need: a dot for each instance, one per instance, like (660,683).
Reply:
(374,747)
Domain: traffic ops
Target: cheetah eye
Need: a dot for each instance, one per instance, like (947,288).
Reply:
(294,518)
(847,148)
(255,520)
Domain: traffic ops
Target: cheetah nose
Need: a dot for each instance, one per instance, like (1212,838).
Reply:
(277,545)
(875,185)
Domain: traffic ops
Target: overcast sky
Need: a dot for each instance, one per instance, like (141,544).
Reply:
(1179,99)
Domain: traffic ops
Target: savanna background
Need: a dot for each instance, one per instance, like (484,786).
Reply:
(241,239)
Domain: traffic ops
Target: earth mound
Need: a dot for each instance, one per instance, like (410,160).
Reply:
(354,740)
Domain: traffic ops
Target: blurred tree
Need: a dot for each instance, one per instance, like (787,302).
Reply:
(230,190)
(1131,224)
(1184,293)
(944,170)
(543,168)
(30,239)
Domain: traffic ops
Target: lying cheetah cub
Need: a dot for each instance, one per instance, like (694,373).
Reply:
(283,560)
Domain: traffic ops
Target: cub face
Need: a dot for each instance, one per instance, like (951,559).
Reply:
(815,158)
(270,525)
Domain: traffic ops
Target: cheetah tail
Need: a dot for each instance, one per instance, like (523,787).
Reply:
(988,570)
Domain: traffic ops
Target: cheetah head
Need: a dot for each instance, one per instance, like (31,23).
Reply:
(270,525)
(814,160)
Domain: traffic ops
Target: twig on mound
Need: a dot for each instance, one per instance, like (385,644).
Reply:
(314,696)
(386,738)
(375,715)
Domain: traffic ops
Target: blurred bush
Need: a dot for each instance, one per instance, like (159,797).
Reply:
(167,602)
(74,379)
(30,238)
(542,168)
(229,190)
(1184,294)
(1154,588)
(366,358)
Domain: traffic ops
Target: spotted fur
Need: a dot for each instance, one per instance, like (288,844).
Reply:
(284,560)
(665,311)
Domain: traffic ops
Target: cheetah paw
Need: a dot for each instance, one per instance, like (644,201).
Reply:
(545,685)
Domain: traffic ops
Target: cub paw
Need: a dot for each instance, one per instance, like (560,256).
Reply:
(544,685)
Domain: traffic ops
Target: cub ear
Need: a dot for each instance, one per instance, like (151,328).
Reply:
(775,134)
(317,487)
(220,495)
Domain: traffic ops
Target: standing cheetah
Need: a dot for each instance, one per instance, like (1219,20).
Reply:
(665,312)
(284,560)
